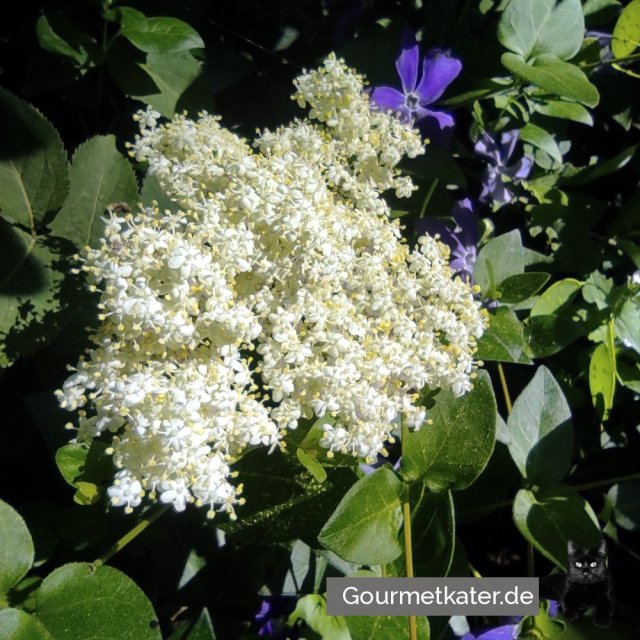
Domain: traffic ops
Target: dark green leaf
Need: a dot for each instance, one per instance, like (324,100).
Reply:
(81,602)
(201,629)
(556,76)
(541,441)
(157,35)
(546,335)
(33,163)
(59,34)
(436,164)
(364,527)
(451,452)
(564,110)
(16,548)
(601,169)
(503,340)
(20,625)
(534,27)
(499,259)
(100,176)
(549,520)
(522,286)
(625,499)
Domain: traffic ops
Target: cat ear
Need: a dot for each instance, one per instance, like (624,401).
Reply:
(571,547)
(602,547)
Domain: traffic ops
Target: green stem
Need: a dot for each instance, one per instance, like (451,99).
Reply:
(505,389)
(629,58)
(408,547)
(427,198)
(148,520)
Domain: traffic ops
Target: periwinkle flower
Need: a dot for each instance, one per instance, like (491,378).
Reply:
(271,619)
(419,91)
(462,239)
(498,154)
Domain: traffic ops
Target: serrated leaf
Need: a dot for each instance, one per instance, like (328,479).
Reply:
(548,520)
(16,548)
(33,163)
(626,33)
(159,34)
(20,625)
(534,27)
(503,340)
(79,601)
(521,286)
(602,378)
(451,452)
(499,259)
(364,527)
(564,110)
(100,176)
(541,442)
(556,76)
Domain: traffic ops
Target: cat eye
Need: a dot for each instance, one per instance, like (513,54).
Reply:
(594,564)
(578,564)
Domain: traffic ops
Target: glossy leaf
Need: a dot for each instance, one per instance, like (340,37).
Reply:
(521,286)
(100,176)
(451,452)
(549,520)
(541,442)
(20,625)
(364,527)
(33,163)
(16,548)
(81,602)
(560,78)
(157,35)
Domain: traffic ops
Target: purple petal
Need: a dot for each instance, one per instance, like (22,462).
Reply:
(407,63)
(387,98)
(487,147)
(443,120)
(508,142)
(520,170)
(493,189)
(439,70)
(467,221)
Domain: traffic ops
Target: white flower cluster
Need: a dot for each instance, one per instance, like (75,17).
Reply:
(279,289)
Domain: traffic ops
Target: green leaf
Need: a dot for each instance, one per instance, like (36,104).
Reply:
(364,527)
(564,110)
(312,610)
(19,625)
(548,520)
(602,378)
(201,629)
(503,340)
(626,33)
(59,34)
(173,74)
(284,500)
(625,500)
(433,529)
(16,548)
(436,164)
(557,297)
(33,163)
(541,441)
(556,76)
(541,139)
(79,601)
(312,465)
(451,452)
(499,259)
(627,324)
(157,35)
(629,376)
(385,627)
(534,27)
(601,169)
(100,176)
(521,286)
(546,335)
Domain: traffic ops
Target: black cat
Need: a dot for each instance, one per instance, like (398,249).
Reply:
(587,584)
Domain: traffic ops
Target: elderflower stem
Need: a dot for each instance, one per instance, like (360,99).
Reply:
(427,198)
(505,389)
(408,548)
(130,535)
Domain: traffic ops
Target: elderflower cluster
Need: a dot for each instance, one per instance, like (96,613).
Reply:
(278,289)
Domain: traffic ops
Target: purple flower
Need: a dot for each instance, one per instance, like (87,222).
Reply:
(272,618)
(505,632)
(498,155)
(462,240)
(439,70)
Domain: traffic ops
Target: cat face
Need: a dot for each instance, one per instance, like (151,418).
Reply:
(587,565)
